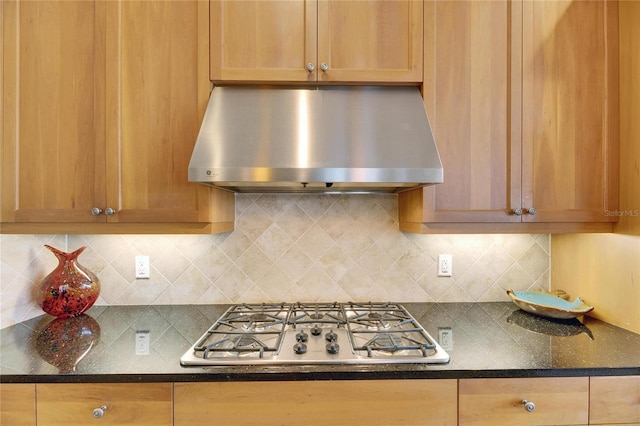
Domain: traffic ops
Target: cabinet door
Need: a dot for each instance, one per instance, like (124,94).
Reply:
(369,41)
(130,404)
(614,400)
(362,402)
(558,401)
(471,94)
(570,111)
(258,40)
(17,404)
(157,90)
(52,149)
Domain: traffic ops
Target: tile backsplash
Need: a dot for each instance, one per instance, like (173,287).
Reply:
(285,248)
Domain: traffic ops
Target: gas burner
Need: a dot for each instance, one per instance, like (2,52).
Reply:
(258,322)
(385,342)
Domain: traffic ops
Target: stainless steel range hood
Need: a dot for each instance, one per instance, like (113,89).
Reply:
(315,139)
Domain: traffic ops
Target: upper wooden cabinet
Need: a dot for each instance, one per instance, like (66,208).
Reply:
(102,106)
(311,40)
(527,132)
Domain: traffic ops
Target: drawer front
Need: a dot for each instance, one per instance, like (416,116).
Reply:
(352,402)
(558,401)
(17,404)
(615,400)
(127,404)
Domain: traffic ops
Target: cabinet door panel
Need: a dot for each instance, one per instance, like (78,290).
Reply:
(52,159)
(157,90)
(130,404)
(263,40)
(17,404)
(471,94)
(614,400)
(570,111)
(370,40)
(362,402)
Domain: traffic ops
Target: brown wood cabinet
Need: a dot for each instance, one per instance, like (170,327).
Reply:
(614,400)
(360,41)
(102,106)
(126,404)
(17,404)
(557,401)
(528,135)
(370,402)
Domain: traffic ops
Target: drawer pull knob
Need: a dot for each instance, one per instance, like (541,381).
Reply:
(517,212)
(99,412)
(96,211)
(528,405)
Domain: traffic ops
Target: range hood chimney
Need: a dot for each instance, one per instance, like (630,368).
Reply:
(337,139)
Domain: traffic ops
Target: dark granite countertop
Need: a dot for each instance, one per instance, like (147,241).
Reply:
(489,340)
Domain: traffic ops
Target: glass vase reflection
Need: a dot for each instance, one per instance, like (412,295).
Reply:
(64,342)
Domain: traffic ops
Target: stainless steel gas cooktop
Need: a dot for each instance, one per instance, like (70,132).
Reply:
(315,333)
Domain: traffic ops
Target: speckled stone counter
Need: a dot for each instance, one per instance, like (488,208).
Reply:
(489,340)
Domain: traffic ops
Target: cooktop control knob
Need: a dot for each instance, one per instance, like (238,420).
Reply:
(331,336)
(316,331)
(300,348)
(302,337)
(333,347)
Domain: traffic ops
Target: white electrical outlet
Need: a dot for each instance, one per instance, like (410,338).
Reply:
(445,338)
(142,267)
(142,342)
(445,265)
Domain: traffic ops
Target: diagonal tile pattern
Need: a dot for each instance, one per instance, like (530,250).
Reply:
(285,247)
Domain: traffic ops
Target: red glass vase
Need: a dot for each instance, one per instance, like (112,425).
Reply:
(70,289)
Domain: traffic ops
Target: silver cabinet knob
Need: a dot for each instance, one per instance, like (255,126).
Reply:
(324,67)
(109,211)
(532,211)
(99,412)
(517,212)
(310,67)
(528,405)
(96,211)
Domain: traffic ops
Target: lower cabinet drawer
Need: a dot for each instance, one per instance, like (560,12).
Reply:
(353,402)
(17,404)
(556,401)
(615,400)
(126,404)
